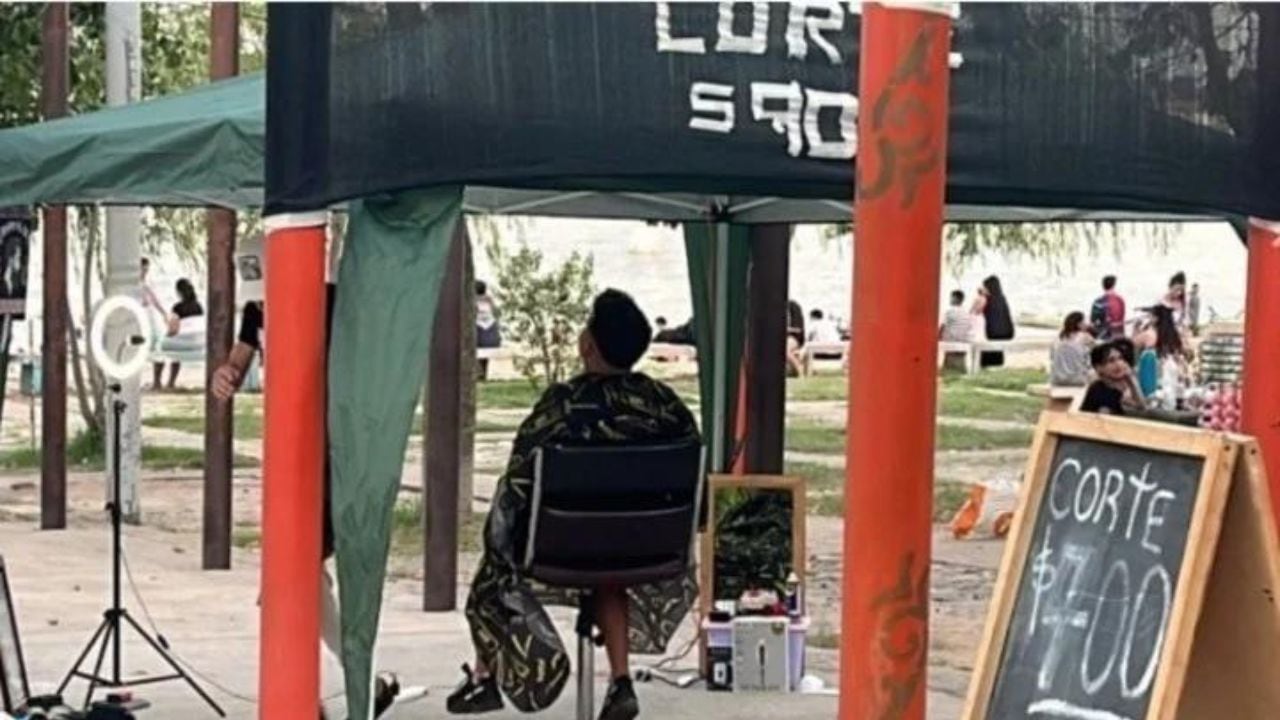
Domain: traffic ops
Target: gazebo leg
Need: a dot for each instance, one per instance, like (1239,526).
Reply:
(1261,411)
(293,468)
(893,373)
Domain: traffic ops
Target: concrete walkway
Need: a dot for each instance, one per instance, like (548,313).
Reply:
(59,581)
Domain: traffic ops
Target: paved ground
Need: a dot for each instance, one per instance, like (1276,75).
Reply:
(60,585)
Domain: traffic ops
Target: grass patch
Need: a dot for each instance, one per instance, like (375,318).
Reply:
(1009,379)
(833,387)
(167,457)
(489,426)
(406,529)
(246,537)
(808,437)
(969,402)
(959,437)
(817,476)
(948,496)
(154,457)
(506,394)
(818,388)
(247,425)
(811,437)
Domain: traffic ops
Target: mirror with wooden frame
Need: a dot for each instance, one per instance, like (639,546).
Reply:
(759,536)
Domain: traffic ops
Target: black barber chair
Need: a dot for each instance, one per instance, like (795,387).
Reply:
(612,515)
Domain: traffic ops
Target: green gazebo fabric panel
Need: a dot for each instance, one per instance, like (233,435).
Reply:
(700,251)
(389,284)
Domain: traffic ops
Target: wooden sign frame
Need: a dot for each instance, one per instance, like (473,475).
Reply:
(706,539)
(1251,514)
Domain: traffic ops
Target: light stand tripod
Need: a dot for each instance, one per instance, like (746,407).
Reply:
(110,631)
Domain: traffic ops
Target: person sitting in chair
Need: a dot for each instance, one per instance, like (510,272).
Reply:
(607,404)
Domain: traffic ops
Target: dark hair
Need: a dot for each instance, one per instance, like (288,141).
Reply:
(1101,352)
(186,291)
(1109,282)
(1179,278)
(1127,349)
(815,314)
(619,328)
(1168,339)
(992,284)
(481,288)
(1071,325)
(145,261)
(957,297)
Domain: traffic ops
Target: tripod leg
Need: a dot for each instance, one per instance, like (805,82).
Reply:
(173,663)
(102,655)
(83,654)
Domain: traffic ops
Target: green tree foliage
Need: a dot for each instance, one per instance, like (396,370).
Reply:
(542,311)
(175,57)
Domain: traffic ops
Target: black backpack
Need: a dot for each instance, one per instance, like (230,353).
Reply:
(1098,316)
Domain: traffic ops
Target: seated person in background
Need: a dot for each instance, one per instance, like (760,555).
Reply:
(1069,358)
(957,326)
(1106,394)
(608,403)
(1115,390)
(678,335)
(822,330)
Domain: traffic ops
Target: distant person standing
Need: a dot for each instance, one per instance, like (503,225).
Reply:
(1176,298)
(1193,309)
(795,338)
(957,326)
(187,307)
(488,327)
(1108,311)
(997,319)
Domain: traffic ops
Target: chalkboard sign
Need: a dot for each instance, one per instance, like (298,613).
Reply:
(1092,609)
(1104,573)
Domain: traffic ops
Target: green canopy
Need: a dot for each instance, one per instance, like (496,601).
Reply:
(201,147)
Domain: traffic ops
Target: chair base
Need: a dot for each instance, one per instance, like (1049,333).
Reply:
(586,657)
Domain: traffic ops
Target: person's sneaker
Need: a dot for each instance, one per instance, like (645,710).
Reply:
(386,690)
(474,696)
(621,702)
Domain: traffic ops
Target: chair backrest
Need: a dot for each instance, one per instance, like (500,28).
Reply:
(614,514)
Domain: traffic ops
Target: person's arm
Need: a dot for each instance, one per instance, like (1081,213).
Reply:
(229,376)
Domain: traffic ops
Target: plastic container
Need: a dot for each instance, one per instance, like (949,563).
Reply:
(720,635)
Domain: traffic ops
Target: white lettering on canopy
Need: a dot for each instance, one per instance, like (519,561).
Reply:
(810,32)
(755,43)
(808,18)
(712,99)
(666,43)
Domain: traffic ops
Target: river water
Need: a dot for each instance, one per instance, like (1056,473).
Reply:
(648,261)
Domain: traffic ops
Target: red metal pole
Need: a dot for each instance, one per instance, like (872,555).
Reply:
(902,142)
(1261,411)
(293,468)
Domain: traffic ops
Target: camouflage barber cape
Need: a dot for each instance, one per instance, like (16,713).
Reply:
(513,636)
